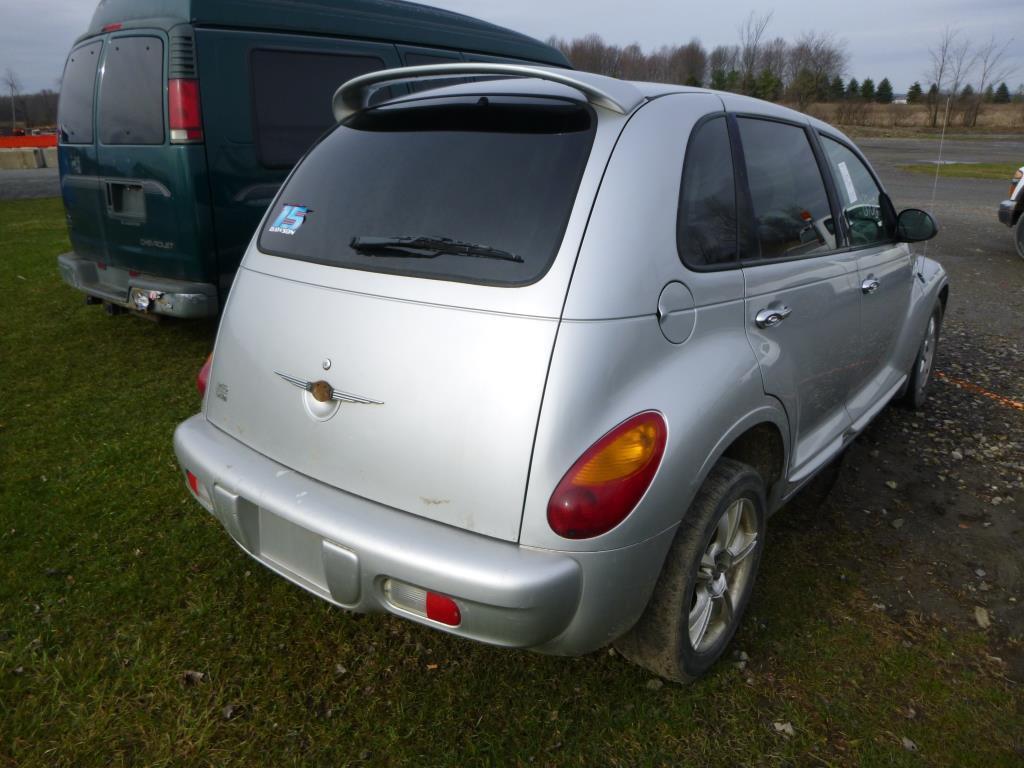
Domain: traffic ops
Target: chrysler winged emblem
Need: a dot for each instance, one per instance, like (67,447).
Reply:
(323,392)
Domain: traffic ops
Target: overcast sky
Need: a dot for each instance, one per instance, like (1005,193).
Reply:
(885,38)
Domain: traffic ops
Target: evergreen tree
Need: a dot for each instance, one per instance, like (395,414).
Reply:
(933,93)
(853,89)
(837,91)
(1002,94)
(867,89)
(990,94)
(967,91)
(884,93)
(915,94)
(718,80)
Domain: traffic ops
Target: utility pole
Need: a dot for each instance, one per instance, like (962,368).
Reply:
(10,79)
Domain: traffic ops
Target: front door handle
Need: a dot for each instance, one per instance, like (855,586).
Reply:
(772,316)
(870,284)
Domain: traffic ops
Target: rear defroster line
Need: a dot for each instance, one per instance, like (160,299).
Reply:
(1005,401)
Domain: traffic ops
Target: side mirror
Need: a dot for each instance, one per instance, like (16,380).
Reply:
(914,225)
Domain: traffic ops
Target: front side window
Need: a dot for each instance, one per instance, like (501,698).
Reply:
(132,92)
(859,194)
(791,209)
(292,94)
(471,189)
(707,202)
(78,87)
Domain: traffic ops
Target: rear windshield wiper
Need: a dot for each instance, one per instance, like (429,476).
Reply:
(428,248)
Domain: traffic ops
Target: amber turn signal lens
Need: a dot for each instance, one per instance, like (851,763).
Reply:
(609,479)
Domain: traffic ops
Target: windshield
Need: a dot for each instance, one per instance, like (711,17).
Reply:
(500,173)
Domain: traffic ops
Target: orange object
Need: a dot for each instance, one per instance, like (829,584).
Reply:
(19,142)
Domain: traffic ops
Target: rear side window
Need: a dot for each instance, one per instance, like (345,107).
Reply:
(791,208)
(707,201)
(132,91)
(860,196)
(500,173)
(78,87)
(292,93)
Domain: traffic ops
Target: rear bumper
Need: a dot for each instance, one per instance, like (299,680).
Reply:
(143,293)
(344,548)
(1008,212)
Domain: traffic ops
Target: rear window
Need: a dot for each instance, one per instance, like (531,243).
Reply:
(132,92)
(78,86)
(292,94)
(499,172)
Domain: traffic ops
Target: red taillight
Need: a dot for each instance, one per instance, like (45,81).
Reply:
(183,111)
(606,482)
(112,27)
(193,482)
(443,609)
(204,375)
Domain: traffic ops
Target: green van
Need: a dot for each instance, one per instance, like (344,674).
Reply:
(179,119)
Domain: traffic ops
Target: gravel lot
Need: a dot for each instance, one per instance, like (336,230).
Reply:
(937,496)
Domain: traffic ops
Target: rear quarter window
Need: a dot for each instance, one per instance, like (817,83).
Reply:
(78,88)
(292,94)
(132,91)
(500,172)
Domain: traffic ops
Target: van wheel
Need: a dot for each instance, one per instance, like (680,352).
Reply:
(707,578)
(924,362)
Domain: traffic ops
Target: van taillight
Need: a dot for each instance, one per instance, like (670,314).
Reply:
(184,113)
(609,479)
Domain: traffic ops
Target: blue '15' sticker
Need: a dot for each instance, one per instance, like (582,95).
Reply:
(290,219)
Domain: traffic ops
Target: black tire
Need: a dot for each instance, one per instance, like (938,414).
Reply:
(921,373)
(661,640)
(1018,236)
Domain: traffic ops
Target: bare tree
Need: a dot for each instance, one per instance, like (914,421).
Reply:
(941,56)
(751,32)
(13,84)
(990,58)
(814,60)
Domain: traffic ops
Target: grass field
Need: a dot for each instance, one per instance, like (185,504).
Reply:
(988,171)
(114,584)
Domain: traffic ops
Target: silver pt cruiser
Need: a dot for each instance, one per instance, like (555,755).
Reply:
(531,357)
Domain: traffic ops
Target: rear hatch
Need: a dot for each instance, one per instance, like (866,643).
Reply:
(436,352)
(134,199)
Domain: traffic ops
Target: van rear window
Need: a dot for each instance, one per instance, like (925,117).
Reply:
(78,86)
(132,91)
(495,176)
(292,93)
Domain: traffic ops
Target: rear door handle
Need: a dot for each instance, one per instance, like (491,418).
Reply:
(870,284)
(772,316)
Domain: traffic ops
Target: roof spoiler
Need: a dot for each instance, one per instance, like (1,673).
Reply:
(615,95)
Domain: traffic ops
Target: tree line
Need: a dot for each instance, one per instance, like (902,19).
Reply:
(808,69)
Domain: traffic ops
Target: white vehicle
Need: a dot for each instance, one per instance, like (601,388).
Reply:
(1011,210)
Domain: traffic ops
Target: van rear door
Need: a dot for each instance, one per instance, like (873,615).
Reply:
(152,191)
(76,153)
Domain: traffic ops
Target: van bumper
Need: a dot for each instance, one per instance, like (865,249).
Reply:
(138,292)
(345,549)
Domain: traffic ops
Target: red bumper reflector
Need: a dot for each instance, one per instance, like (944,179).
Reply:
(193,482)
(443,609)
